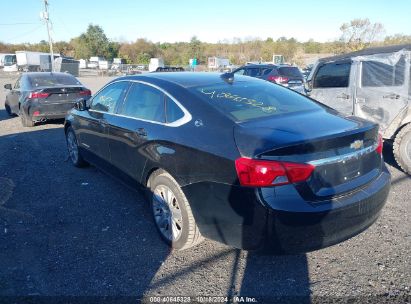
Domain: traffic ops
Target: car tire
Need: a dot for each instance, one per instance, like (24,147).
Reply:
(8,109)
(26,122)
(74,152)
(402,148)
(171,210)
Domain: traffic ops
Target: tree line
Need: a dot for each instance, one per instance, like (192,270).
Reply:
(355,35)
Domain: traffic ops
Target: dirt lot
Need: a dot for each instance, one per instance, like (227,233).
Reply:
(77,232)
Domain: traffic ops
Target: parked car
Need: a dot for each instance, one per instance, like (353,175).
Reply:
(169,69)
(40,96)
(374,84)
(234,159)
(285,75)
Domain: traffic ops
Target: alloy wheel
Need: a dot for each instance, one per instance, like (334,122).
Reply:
(72,147)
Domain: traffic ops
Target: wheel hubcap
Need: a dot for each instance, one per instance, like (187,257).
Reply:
(408,149)
(72,147)
(167,213)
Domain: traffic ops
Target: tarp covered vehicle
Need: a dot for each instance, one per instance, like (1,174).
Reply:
(373,84)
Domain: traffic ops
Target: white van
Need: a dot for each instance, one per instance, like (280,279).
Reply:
(373,84)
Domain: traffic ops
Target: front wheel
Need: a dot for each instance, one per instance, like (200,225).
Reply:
(172,213)
(73,150)
(8,110)
(402,148)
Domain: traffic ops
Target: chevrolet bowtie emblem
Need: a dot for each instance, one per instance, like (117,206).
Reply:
(358,144)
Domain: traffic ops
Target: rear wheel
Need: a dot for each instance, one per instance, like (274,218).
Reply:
(73,150)
(26,122)
(402,148)
(172,213)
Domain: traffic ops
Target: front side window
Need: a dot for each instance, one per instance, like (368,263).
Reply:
(107,99)
(144,102)
(378,74)
(333,75)
(239,72)
(17,84)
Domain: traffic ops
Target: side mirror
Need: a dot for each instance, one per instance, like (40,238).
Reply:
(7,86)
(81,104)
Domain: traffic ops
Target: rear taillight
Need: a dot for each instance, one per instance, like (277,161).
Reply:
(278,79)
(266,173)
(85,93)
(380,144)
(34,95)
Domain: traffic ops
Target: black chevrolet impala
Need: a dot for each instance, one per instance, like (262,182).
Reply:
(234,159)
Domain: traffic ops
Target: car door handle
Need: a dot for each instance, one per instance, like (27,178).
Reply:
(344,96)
(141,132)
(392,96)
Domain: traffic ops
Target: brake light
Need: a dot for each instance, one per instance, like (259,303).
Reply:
(265,173)
(34,95)
(380,144)
(85,93)
(278,79)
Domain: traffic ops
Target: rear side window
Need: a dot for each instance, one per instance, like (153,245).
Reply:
(144,102)
(173,111)
(107,99)
(253,72)
(46,80)
(290,72)
(378,74)
(266,71)
(244,100)
(332,75)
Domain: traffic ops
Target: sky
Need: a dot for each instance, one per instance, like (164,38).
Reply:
(210,21)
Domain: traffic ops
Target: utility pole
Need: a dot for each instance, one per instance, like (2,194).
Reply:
(47,19)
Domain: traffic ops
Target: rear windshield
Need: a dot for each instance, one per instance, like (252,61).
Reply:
(244,100)
(52,80)
(290,72)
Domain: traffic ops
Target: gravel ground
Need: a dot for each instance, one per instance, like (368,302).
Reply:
(78,232)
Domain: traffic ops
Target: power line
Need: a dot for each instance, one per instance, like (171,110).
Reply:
(17,23)
(26,33)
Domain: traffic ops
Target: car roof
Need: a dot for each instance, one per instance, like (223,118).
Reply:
(369,51)
(260,65)
(34,74)
(185,79)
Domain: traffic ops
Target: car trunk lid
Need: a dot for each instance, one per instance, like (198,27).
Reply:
(54,95)
(343,150)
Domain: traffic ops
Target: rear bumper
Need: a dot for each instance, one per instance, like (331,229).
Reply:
(334,222)
(37,111)
(277,220)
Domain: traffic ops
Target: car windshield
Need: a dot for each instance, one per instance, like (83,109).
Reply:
(289,71)
(52,80)
(9,60)
(244,100)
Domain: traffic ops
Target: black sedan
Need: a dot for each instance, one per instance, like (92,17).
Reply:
(42,96)
(235,159)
